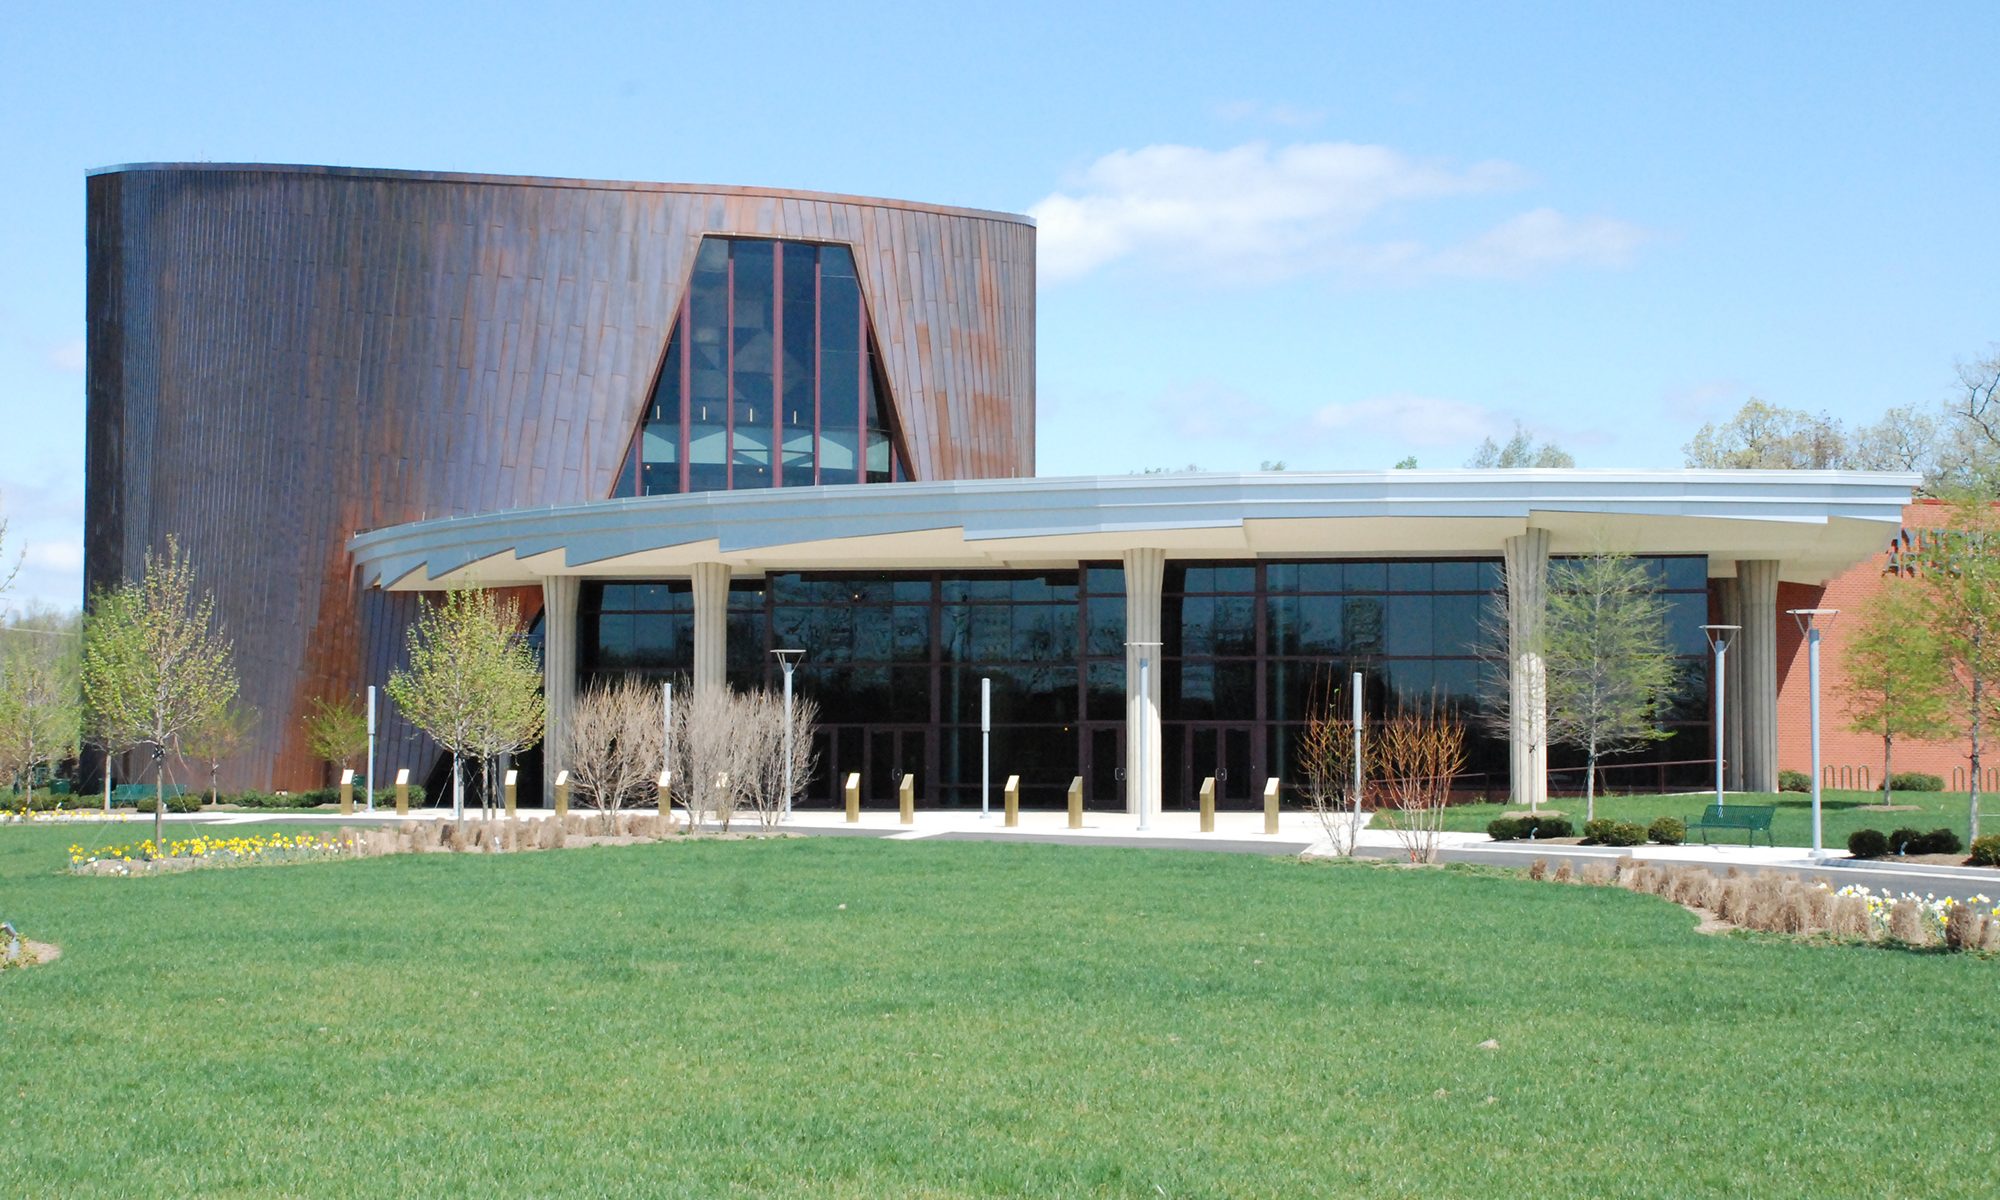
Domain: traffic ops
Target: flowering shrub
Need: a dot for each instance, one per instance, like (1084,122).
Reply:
(207,851)
(1933,914)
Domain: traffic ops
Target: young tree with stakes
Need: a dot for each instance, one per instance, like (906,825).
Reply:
(1961,576)
(1611,675)
(41,698)
(473,683)
(156,665)
(1898,683)
(337,730)
(217,737)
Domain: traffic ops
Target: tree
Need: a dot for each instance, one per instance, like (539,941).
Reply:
(41,691)
(613,747)
(1326,758)
(1417,754)
(1897,680)
(1407,463)
(1520,451)
(156,664)
(1768,437)
(1960,572)
(473,683)
(337,730)
(1610,673)
(215,738)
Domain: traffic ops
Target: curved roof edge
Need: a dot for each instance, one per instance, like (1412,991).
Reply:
(552,181)
(1817,521)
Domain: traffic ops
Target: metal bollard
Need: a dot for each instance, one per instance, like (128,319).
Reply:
(1013,794)
(666,796)
(507,789)
(403,792)
(853,796)
(1208,805)
(1271,805)
(906,799)
(562,794)
(347,792)
(1076,803)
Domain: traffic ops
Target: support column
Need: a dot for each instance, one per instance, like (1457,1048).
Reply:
(1729,594)
(1144,571)
(1757,592)
(711,626)
(558,672)
(1527,563)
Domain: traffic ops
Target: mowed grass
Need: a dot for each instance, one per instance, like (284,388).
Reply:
(1841,813)
(706,1019)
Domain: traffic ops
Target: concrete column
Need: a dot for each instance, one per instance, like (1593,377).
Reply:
(1144,571)
(1757,667)
(1730,595)
(1527,563)
(711,625)
(558,671)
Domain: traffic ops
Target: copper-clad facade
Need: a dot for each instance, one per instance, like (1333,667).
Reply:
(283,356)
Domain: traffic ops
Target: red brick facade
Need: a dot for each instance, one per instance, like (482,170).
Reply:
(1852,759)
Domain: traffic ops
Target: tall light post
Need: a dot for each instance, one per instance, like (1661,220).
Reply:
(985,745)
(1810,620)
(788,659)
(1142,767)
(369,785)
(1719,637)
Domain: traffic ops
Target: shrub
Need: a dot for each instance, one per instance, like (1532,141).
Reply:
(1867,843)
(1554,827)
(1940,841)
(1504,829)
(1905,840)
(1915,781)
(1607,832)
(1794,781)
(1667,831)
(1986,851)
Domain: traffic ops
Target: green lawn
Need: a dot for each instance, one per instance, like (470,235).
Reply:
(1840,813)
(980,1019)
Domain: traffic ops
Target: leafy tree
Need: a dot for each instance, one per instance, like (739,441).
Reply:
(337,730)
(156,664)
(1961,575)
(1519,451)
(1766,436)
(41,697)
(1897,680)
(1610,672)
(473,683)
(215,738)
(1406,463)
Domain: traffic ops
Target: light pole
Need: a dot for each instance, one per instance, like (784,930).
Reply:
(985,745)
(788,659)
(1718,640)
(1143,771)
(1809,626)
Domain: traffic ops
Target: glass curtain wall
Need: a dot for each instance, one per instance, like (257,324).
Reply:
(1251,651)
(770,378)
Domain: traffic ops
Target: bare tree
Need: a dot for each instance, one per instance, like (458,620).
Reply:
(1326,757)
(613,748)
(761,723)
(1767,436)
(1417,754)
(710,759)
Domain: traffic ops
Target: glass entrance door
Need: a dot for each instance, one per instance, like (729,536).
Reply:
(1104,767)
(894,753)
(1222,751)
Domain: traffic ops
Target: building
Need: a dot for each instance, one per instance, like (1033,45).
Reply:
(695,424)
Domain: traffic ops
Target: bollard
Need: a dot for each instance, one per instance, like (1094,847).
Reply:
(666,796)
(1013,794)
(507,789)
(1076,803)
(906,799)
(1271,806)
(562,794)
(853,796)
(347,792)
(1208,805)
(403,792)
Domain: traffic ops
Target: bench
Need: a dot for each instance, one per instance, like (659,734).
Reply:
(1753,819)
(140,793)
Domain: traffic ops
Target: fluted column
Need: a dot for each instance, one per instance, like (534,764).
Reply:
(558,672)
(1144,570)
(1527,563)
(1730,596)
(711,626)
(1757,592)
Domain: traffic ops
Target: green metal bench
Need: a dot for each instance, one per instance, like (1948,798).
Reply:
(139,793)
(1753,819)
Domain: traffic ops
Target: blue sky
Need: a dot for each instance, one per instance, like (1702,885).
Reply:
(1332,235)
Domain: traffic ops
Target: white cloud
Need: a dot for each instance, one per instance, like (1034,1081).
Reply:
(1413,420)
(1291,116)
(1257,212)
